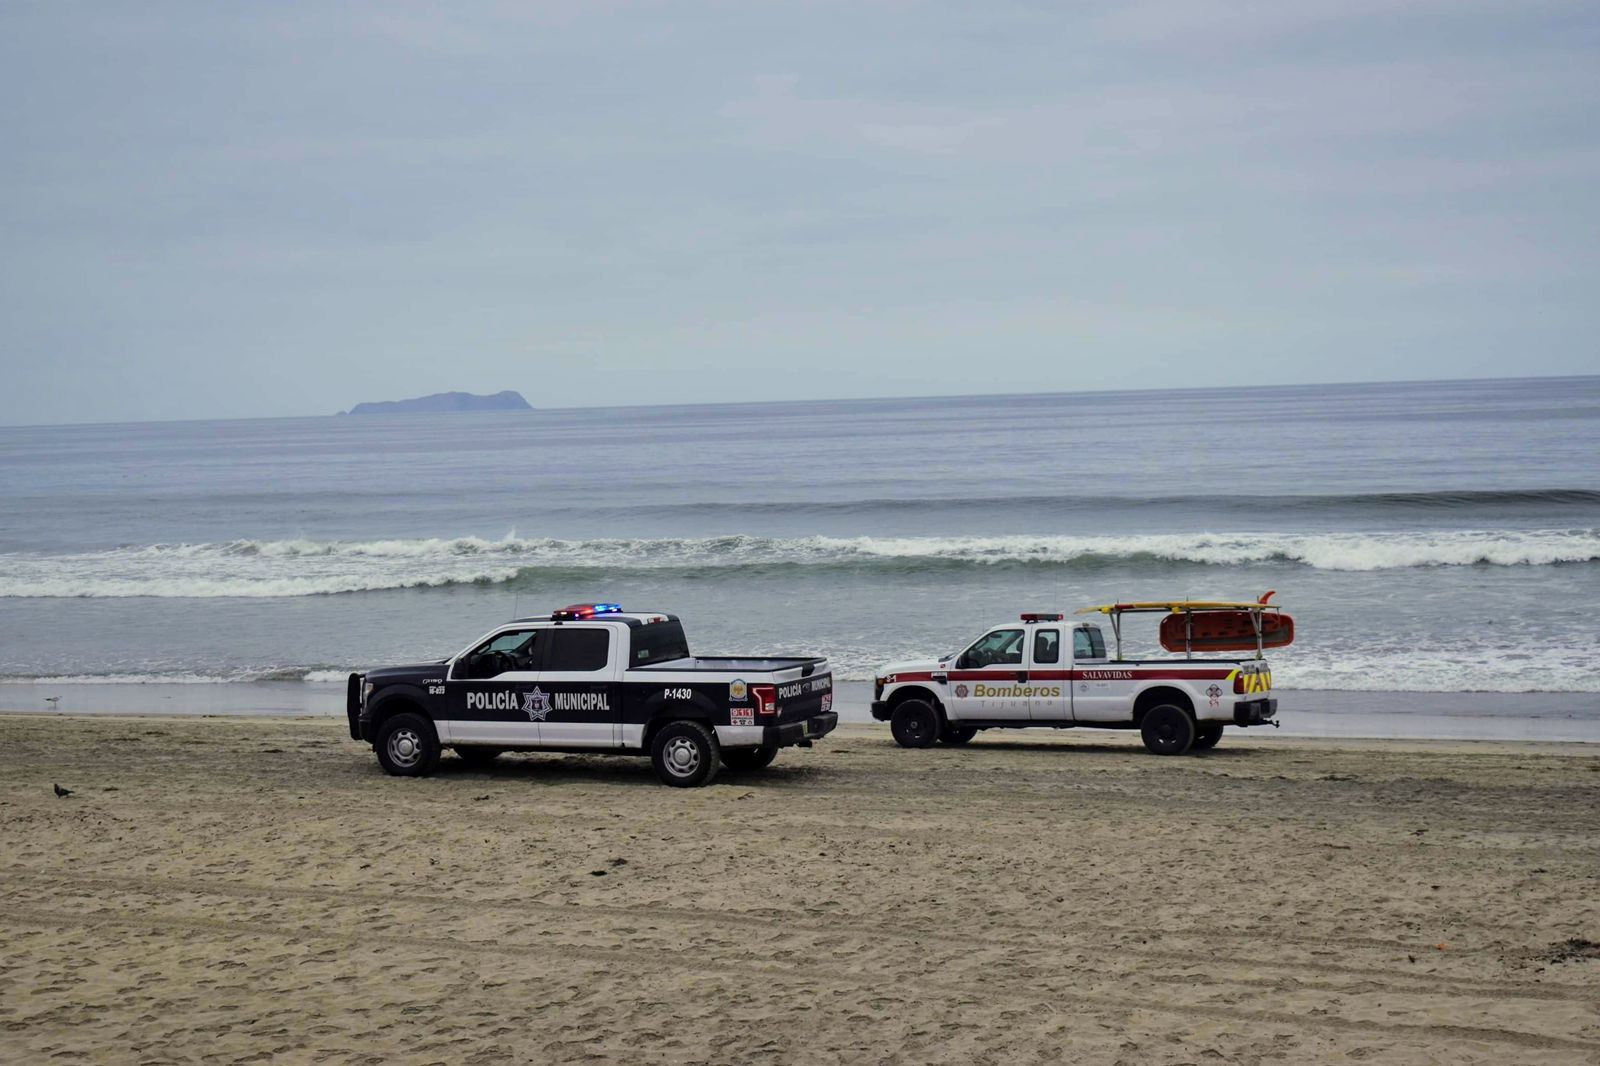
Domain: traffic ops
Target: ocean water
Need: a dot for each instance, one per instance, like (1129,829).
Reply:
(1431,537)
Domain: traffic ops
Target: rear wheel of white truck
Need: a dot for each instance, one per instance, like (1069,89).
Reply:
(1167,729)
(407,746)
(915,724)
(1207,735)
(745,759)
(685,754)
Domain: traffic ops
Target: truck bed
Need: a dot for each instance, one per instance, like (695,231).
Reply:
(735,664)
(1175,661)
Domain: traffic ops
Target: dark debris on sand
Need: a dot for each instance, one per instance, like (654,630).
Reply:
(1571,950)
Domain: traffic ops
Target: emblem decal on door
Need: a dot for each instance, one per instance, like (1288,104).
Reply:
(536,704)
(961,692)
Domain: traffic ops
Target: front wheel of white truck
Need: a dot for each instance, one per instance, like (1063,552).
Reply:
(1167,729)
(915,724)
(685,754)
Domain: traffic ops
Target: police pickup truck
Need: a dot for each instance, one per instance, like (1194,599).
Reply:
(592,678)
(1044,671)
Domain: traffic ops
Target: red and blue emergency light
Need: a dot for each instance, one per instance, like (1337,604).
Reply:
(1037,617)
(584,610)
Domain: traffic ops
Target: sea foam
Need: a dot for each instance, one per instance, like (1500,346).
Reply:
(288,568)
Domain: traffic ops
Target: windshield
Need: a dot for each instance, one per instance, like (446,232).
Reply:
(658,642)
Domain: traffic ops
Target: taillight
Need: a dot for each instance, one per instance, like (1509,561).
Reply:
(1255,681)
(766,699)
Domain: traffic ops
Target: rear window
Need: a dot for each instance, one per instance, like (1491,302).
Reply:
(1087,643)
(658,642)
(577,649)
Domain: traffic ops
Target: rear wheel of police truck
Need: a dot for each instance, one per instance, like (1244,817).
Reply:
(685,754)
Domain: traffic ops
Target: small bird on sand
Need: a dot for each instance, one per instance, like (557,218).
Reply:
(62,793)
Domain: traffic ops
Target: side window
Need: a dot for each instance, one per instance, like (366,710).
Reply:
(578,649)
(502,653)
(1087,643)
(1003,647)
(1047,646)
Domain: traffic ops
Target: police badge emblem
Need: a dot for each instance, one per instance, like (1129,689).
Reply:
(738,690)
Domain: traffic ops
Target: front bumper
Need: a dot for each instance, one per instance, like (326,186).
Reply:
(801,732)
(1254,712)
(880,710)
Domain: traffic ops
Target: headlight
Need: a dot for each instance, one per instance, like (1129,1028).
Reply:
(366,693)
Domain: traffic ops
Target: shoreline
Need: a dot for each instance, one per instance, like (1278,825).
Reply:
(1556,717)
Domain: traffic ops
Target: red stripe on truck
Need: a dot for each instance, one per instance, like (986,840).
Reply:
(1086,674)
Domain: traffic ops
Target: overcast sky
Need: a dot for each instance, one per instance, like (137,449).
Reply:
(216,210)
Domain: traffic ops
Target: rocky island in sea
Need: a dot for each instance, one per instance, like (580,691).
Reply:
(444,402)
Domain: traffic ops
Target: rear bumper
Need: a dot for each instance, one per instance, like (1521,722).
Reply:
(880,710)
(1254,712)
(803,731)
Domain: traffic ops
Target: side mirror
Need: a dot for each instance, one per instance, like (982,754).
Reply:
(964,662)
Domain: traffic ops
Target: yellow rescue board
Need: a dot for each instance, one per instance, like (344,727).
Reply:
(1179,605)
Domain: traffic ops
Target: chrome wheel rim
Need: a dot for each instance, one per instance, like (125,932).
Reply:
(682,756)
(405,748)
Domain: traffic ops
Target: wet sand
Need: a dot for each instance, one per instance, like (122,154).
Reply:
(231,890)
(1541,716)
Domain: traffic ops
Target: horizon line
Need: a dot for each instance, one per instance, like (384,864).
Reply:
(821,399)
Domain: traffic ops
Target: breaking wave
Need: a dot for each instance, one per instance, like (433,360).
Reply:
(288,568)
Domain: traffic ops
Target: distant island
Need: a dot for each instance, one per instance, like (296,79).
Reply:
(441,402)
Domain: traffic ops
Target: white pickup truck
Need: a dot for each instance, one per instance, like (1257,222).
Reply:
(1044,671)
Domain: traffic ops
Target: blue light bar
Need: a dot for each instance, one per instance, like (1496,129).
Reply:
(584,610)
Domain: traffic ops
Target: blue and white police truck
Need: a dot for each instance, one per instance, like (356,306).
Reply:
(597,679)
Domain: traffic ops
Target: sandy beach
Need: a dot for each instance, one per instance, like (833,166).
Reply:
(237,890)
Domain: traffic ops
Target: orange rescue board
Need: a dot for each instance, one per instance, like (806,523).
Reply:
(1225,631)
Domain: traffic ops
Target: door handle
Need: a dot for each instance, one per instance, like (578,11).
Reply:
(1022,675)
(941,677)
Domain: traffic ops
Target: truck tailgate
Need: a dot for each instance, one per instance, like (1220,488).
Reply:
(805,697)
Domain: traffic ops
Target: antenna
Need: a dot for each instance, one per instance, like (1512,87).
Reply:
(516,600)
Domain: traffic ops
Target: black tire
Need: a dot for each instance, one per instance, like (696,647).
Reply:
(407,746)
(747,759)
(685,755)
(1168,729)
(956,735)
(915,724)
(474,755)
(1206,736)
